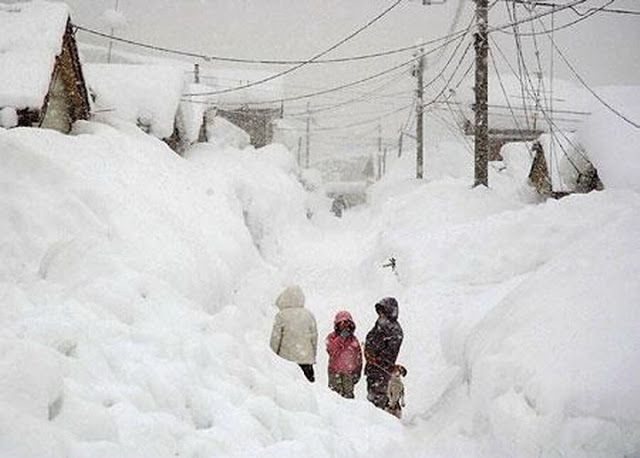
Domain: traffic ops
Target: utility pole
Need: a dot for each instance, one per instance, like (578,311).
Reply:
(299,152)
(419,112)
(196,73)
(481,152)
(308,139)
(400,143)
(384,161)
(379,161)
(111,40)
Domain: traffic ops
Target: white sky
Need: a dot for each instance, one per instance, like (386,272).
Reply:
(604,48)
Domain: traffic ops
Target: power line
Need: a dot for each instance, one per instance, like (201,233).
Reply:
(366,121)
(583,17)
(533,4)
(586,85)
(331,89)
(552,124)
(316,93)
(316,56)
(367,96)
(211,57)
(448,82)
(278,75)
(240,60)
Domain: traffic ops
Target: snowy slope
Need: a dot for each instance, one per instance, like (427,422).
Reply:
(139,286)
(138,306)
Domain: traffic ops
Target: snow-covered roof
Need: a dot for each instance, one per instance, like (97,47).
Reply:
(147,94)
(30,39)
(212,79)
(570,105)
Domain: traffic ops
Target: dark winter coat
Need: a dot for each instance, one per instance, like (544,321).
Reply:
(383,342)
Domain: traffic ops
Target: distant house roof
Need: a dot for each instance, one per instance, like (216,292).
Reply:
(570,104)
(148,95)
(30,39)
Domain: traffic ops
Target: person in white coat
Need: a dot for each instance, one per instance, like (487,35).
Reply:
(294,336)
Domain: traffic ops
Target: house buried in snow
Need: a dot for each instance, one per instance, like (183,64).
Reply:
(147,95)
(222,93)
(546,121)
(41,79)
(518,114)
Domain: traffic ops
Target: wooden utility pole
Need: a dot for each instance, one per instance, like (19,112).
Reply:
(379,161)
(111,34)
(299,152)
(419,111)
(384,161)
(196,73)
(308,139)
(481,174)
(400,143)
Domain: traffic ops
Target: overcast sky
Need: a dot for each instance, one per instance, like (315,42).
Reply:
(604,48)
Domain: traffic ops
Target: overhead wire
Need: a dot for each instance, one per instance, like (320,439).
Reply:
(535,3)
(584,17)
(211,57)
(278,75)
(552,124)
(588,87)
(366,121)
(296,67)
(506,96)
(331,89)
(366,96)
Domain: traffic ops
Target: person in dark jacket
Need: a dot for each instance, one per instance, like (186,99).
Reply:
(381,350)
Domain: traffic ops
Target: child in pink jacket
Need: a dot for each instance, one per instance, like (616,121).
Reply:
(345,355)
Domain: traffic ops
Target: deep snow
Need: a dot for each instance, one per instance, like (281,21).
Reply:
(138,286)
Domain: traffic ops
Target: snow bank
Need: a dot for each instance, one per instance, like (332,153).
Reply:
(137,308)
(30,41)
(266,185)
(610,142)
(547,293)
(552,367)
(147,95)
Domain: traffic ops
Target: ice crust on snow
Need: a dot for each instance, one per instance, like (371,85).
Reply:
(31,39)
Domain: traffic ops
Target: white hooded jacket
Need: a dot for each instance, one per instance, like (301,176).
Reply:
(294,336)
